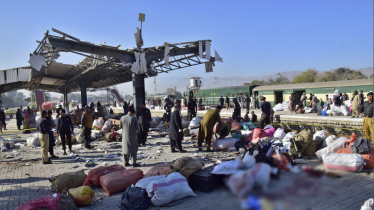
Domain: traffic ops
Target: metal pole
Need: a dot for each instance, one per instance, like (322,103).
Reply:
(83,93)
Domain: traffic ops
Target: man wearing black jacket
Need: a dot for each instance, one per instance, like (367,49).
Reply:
(58,110)
(65,129)
(176,130)
(236,115)
(144,117)
(227,103)
(221,100)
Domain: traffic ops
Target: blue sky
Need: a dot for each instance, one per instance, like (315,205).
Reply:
(253,37)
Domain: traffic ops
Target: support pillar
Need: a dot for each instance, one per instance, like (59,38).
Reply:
(138,89)
(66,101)
(83,93)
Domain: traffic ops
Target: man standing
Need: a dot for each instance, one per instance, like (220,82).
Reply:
(51,136)
(200,101)
(19,118)
(221,101)
(314,102)
(168,106)
(130,144)
(227,103)
(241,101)
(355,104)
(58,110)
(126,107)
(191,109)
(247,103)
(257,105)
(65,128)
(143,116)
(367,113)
(345,97)
(206,126)
(87,120)
(176,130)
(100,110)
(252,100)
(362,98)
(265,108)
(236,114)
(303,100)
(78,115)
(2,118)
(310,99)
(44,127)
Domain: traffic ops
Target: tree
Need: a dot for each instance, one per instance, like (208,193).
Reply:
(28,99)
(308,76)
(169,91)
(178,95)
(47,96)
(257,82)
(12,94)
(339,74)
(280,80)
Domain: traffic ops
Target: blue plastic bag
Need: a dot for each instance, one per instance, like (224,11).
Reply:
(249,126)
(324,113)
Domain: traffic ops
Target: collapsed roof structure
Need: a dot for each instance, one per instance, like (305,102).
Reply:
(102,65)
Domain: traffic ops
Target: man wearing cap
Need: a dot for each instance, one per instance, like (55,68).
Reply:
(265,108)
(87,120)
(44,127)
(367,113)
(65,128)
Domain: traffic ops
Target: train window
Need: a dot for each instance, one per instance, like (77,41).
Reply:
(228,94)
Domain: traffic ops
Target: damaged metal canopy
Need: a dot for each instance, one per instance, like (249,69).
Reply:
(102,65)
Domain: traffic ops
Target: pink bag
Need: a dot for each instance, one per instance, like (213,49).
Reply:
(47,201)
(235,126)
(258,133)
(270,132)
(350,108)
(249,138)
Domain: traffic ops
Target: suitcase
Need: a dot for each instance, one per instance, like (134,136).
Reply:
(205,181)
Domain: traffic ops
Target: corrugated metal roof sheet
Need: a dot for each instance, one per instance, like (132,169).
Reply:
(2,77)
(37,61)
(11,76)
(344,83)
(24,74)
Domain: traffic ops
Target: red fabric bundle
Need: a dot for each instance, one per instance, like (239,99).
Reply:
(118,181)
(94,175)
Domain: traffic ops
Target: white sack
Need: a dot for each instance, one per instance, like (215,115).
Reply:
(289,136)
(367,205)
(80,137)
(107,126)
(227,168)
(345,162)
(249,161)
(279,133)
(195,121)
(321,134)
(329,140)
(332,148)
(343,110)
(143,183)
(173,187)
(33,140)
(222,144)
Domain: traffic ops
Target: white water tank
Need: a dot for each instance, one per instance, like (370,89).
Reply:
(195,82)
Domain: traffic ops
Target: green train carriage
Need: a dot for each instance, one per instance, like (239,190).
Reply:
(211,96)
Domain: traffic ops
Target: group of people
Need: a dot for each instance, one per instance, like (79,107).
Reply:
(244,103)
